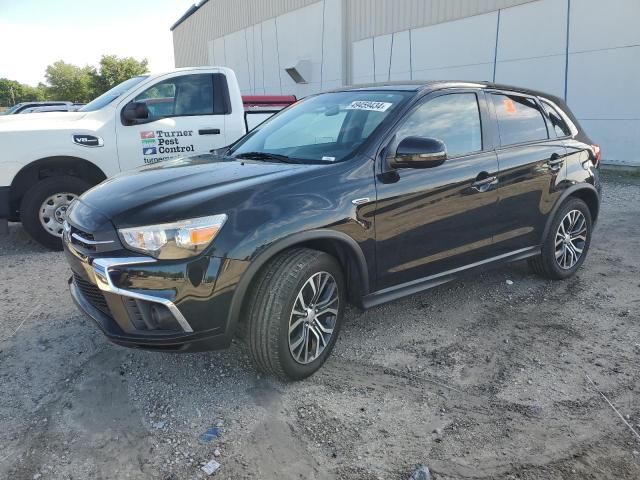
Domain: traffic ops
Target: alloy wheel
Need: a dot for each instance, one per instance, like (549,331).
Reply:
(313,317)
(53,212)
(571,238)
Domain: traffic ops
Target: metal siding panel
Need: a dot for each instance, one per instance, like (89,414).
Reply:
(365,19)
(369,18)
(217,18)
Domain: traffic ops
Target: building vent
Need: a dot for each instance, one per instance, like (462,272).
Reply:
(301,72)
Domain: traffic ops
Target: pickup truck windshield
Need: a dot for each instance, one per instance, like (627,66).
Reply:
(12,109)
(324,128)
(110,95)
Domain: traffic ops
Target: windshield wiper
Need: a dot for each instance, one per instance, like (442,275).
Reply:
(265,156)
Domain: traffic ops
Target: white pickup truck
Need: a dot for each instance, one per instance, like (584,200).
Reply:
(47,159)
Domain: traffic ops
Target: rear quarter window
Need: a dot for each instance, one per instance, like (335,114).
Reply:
(519,119)
(559,124)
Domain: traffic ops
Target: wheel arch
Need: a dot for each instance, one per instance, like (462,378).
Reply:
(586,192)
(48,167)
(341,246)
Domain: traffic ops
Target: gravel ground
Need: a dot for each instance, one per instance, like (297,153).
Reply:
(477,379)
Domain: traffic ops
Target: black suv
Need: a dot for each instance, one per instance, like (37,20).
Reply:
(360,195)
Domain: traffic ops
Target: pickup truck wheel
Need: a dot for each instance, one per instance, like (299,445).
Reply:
(44,208)
(567,242)
(296,314)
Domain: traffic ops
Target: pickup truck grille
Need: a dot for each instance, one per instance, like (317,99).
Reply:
(92,294)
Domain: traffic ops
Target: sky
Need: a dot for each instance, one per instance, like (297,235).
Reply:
(36,33)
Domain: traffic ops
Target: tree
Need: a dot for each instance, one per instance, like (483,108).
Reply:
(12,92)
(115,70)
(70,82)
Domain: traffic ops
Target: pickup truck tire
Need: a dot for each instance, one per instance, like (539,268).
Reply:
(567,242)
(58,193)
(296,312)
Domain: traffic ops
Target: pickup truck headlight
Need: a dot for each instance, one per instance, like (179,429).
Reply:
(182,239)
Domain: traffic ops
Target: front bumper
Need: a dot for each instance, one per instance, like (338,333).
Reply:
(142,302)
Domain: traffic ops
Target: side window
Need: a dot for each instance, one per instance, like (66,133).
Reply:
(519,119)
(559,125)
(453,118)
(180,96)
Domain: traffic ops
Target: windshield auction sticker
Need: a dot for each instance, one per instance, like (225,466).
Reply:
(367,105)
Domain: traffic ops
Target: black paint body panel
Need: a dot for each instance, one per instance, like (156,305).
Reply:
(401,229)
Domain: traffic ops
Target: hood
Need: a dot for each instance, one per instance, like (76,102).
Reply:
(40,121)
(184,188)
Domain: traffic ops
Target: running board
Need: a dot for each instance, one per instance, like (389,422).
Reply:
(425,283)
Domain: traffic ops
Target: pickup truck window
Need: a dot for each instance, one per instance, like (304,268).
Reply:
(187,95)
(324,128)
(110,95)
(179,97)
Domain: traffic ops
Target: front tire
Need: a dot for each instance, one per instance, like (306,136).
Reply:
(296,314)
(44,205)
(567,242)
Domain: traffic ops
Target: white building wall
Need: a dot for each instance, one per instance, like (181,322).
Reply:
(400,56)
(362,62)
(527,45)
(604,74)
(260,53)
(461,49)
(585,50)
(531,56)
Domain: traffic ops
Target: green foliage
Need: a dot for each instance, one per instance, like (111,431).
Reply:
(115,70)
(12,92)
(72,83)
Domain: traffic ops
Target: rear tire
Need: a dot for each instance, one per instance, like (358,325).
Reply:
(279,328)
(567,242)
(43,208)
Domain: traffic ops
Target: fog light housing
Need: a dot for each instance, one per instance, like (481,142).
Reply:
(162,318)
(150,316)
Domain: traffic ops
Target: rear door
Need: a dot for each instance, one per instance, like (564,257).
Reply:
(437,219)
(531,162)
(187,114)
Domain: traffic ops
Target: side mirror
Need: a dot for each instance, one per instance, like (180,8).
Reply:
(133,111)
(419,152)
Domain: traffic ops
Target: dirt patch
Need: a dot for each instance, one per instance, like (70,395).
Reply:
(476,379)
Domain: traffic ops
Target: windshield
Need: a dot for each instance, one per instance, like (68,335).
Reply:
(110,95)
(12,109)
(325,128)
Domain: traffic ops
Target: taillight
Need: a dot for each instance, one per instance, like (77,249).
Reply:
(597,153)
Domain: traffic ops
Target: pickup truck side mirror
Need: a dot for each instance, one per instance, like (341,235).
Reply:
(134,111)
(419,152)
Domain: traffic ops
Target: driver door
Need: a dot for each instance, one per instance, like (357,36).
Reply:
(186,117)
(431,220)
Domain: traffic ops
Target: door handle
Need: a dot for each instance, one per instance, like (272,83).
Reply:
(209,131)
(485,183)
(555,162)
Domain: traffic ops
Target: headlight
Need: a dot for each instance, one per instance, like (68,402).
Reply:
(181,239)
